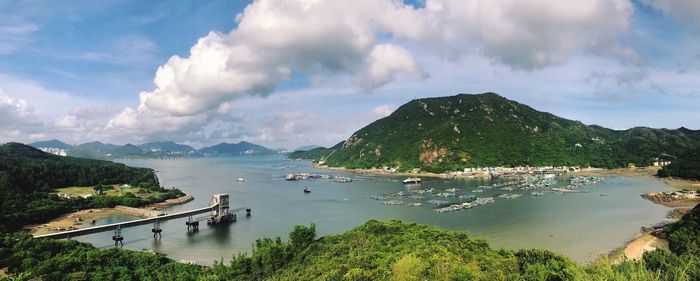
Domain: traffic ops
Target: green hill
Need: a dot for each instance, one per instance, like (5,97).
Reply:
(166,147)
(104,148)
(51,144)
(29,176)
(236,149)
(686,166)
(86,152)
(126,150)
(451,133)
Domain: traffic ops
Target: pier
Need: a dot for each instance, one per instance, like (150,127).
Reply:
(218,212)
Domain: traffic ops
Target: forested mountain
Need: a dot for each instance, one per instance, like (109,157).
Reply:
(51,144)
(28,177)
(686,166)
(105,148)
(86,152)
(126,150)
(166,147)
(236,149)
(451,133)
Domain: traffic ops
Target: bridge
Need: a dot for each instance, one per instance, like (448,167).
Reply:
(218,212)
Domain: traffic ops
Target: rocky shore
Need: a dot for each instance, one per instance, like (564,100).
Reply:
(674,199)
(171,202)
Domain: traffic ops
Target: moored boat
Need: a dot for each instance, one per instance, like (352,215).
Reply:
(412,181)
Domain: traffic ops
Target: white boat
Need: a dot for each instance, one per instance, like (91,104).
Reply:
(412,181)
(240,180)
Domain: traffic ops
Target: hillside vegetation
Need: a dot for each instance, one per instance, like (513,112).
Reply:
(374,251)
(29,176)
(451,133)
(686,166)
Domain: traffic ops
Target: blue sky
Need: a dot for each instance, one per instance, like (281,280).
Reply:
(286,74)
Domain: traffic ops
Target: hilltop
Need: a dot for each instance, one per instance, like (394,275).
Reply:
(465,130)
(236,149)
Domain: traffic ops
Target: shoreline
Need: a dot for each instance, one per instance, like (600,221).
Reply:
(386,173)
(84,218)
(647,239)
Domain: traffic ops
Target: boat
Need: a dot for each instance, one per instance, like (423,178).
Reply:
(307,189)
(412,181)
(240,180)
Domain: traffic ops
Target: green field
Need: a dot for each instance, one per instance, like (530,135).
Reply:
(110,190)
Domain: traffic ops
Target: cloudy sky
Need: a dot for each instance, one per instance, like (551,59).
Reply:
(290,73)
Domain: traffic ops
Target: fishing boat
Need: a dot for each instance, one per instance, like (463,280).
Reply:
(307,189)
(412,181)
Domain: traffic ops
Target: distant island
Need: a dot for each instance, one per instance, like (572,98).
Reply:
(151,150)
(487,130)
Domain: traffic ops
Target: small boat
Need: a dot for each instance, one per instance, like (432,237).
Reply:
(603,194)
(412,181)
(240,180)
(307,189)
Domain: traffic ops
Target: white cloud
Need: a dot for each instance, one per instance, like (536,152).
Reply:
(686,10)
(275,38)
(15,33)
(387,60)
(383,110)
(20,122)
(532,34)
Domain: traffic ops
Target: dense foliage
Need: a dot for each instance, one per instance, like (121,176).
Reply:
(686,166)
(71,260)
(451,133)
(684,235)
(374,251)
(28,177)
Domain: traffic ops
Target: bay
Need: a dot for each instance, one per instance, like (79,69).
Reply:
(581,225)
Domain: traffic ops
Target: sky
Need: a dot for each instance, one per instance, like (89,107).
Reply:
(292,73)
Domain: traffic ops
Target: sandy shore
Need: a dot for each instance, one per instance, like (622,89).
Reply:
(682,183)
(84,218)
(76,220)
(643,243)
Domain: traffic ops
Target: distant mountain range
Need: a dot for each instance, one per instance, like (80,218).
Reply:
(236,149)
(451,133)
(99,150)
